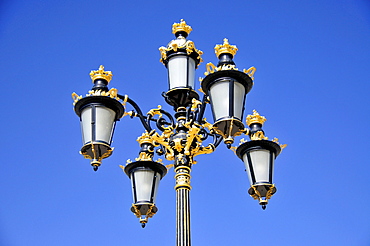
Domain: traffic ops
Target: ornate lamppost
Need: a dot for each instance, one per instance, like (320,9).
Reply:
(180,137)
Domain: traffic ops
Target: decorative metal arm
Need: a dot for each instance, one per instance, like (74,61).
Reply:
(138,112)
(161,123)
(202,109)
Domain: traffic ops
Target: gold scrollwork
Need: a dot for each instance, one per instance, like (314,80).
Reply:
(282,146)
(169,166)
(192,134)
(195,104)
(163,140)
(259,135)
(207,125)
(149,213)
(112,93)
(211,68)
(257,195)
(75,97)
(155,111)
(250,72)
(144,156)
(204,150)
(189,46)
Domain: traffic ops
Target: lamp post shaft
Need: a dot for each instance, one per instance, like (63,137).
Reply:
(182,188)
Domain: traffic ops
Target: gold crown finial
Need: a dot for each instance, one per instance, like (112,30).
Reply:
(255,118)
(225,48)
(181,27)
(101,74)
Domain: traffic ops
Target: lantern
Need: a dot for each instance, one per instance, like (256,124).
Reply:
(227,89)
(98,114)
(145,177)
(258,157)
(181,59)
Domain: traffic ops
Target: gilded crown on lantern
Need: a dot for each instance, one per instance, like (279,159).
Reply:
(101,74)
(255,118)
(225,48)
(181,27)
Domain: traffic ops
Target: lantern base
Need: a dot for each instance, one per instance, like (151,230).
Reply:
(229,128)
(96,151)
(262,193)
(180,97)
(95,164)
(144,211)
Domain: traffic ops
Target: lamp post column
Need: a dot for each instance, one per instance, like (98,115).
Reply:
(182,188)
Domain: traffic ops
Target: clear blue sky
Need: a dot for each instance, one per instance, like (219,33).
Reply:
(312,83)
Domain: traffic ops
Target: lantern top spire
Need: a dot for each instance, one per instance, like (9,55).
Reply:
(225,48)
(181,27)
(101,74)
(255,118)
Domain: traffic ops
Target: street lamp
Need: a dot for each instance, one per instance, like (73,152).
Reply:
(179,137)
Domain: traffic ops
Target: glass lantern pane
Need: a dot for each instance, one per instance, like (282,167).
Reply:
(181,71)
(105,119)
(219,93)
(157,179)
(239,93)
(260,163)
(86,127)
(143,184)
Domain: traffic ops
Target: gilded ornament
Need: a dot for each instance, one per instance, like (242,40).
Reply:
(255,118)
(229,135)
(182,177)
(180,43)
(195,104)
(181,27)
(203,150)
(250,72)
(211,68)
(174,45)
(75,97)
(146,138)
(178,145)
(259,135)
(149,213)
(169,166)
(155,111)
(101,74)
(282,146)
(207,125)
(105,155)
(112,93)
(233,149)
(163,140)
(144,156)
(225,48)
(192,134)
